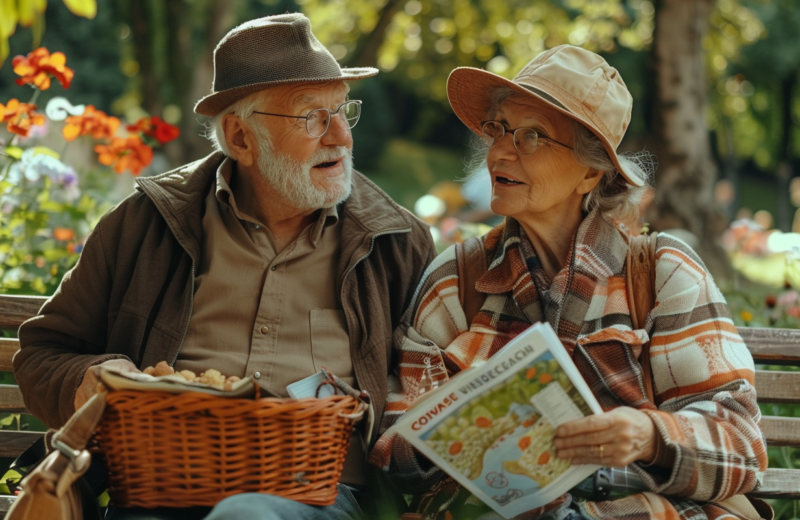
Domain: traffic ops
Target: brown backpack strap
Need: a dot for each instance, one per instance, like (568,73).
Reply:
(641,289)
(471,262)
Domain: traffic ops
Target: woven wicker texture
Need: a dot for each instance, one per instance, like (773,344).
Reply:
(193,449)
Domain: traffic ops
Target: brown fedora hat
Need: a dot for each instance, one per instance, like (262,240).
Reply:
(269,51)
(576,82)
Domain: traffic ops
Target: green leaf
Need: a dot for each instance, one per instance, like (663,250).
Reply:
(46,151)
(85,8)
(9,420)
(14,151)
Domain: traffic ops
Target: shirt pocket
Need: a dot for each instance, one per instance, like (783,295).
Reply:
(608,360)
(330,343)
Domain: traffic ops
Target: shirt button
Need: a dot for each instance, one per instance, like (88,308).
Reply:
(274,267)
(257,375)
(264,330)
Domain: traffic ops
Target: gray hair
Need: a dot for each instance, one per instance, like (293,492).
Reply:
(243,108)
(616,200)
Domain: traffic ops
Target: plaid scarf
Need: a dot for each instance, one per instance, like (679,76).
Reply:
(705,407)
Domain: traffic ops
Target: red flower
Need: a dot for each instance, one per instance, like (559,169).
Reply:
(92,121)
(37,67)
(156,128)
(20,117)
(125,153)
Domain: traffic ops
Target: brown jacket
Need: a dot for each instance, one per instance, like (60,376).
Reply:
(130,295)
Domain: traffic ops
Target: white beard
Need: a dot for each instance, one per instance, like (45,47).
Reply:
(291,179)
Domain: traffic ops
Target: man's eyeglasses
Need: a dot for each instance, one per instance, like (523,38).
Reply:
(318,120)
(526,140)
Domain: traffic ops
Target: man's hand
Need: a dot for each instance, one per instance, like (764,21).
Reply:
(92,376)
(611,439)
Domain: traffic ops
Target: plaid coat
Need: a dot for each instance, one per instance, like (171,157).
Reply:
(705,407)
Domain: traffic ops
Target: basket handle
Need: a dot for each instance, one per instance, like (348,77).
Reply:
(358,414)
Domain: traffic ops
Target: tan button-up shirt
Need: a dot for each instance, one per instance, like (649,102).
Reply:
(260,310)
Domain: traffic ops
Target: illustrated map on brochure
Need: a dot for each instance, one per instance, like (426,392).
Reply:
(491,428)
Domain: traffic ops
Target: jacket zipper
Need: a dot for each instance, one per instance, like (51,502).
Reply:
(186,330)
(344,307)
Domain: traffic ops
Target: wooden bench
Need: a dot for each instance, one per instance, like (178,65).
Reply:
(767,346)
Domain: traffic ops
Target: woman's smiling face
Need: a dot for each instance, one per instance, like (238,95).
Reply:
(549,180)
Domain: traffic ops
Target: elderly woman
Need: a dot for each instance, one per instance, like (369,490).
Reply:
(560,257)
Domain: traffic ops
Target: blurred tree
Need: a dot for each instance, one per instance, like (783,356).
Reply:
(758,99)
(687,172)
(93,51)
(171,49)
(30,13)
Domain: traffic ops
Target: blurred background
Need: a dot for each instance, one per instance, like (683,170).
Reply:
(715,87)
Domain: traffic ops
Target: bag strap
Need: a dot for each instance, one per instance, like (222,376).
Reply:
(641,289)
(471,263)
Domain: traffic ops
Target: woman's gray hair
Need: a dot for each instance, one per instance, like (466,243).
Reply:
(243,108)
(616,200)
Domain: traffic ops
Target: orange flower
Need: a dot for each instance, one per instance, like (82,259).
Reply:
(63,234)
(156,128)
(125,153)
(92,121)
(37,67)
(20,117)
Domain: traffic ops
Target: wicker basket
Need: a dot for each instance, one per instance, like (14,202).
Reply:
(195,449)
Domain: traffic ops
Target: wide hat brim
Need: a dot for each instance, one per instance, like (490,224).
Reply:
(469,91)
(216,102)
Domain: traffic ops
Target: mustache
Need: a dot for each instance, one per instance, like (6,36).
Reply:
(327,155)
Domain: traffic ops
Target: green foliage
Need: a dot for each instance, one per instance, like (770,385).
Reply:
(42,221)
(753,51)
(425,40)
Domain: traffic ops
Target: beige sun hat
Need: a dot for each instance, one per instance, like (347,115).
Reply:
(270,51)
(574,81)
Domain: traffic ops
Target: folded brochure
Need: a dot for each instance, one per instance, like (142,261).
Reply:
(491,428)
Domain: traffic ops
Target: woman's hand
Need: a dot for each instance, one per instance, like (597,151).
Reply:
(611,439)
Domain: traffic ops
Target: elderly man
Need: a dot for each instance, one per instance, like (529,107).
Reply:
(269,258)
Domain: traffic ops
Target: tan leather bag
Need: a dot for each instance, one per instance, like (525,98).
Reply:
(51,491)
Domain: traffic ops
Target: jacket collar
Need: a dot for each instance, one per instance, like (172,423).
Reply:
(598,252)
(179,197)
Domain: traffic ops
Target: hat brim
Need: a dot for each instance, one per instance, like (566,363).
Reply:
(215,103)
(469,91)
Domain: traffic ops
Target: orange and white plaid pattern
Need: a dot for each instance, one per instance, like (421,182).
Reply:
(705,407)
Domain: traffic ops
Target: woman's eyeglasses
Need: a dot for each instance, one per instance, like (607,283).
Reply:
(526,140)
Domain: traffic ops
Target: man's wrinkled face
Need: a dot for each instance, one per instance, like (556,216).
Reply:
(309,172)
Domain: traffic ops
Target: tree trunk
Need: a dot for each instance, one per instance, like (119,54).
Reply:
(220,18)
(365,53)
(686,173)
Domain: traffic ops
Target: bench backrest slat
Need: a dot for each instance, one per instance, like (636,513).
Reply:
(772,346)
(781,431)
(778,387)
(14,310)
(11,399)
(780,483)
(8,347)
(15,442)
